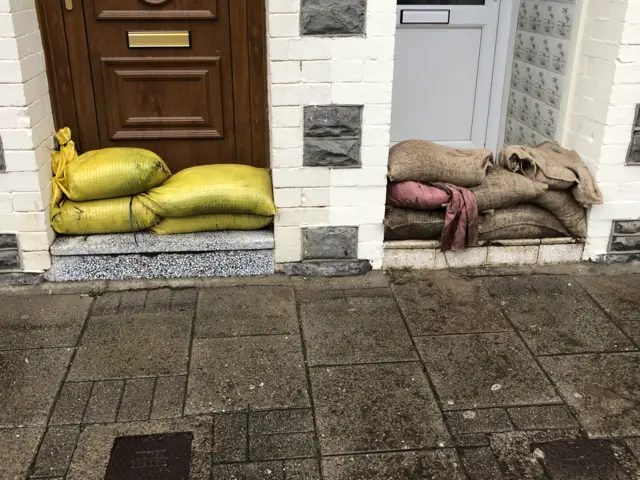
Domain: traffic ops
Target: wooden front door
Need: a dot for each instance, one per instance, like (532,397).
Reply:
(183,78)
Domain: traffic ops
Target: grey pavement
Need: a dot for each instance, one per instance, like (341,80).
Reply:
(476,375)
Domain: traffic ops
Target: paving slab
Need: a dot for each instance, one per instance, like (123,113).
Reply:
(633,330)
(302,470)
(282,446)
(29,382)
(104,401)
(168,398)
(230,438)
(365,408)
(548,417)
(40,321)
(233,373)
(228,312)
(634,446)
(587,459)
(486,420)
(434,465)
(18,446)
(55,452)
(554,314)
(250,471)
(480,463)
(137,396)
(355,330)
(602,389)
(484,370)
(133,346)
(71,403)
(430,309)
(281,421)
(617,294)
(95,444)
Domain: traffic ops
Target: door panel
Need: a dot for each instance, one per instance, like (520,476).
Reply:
(175,101)
(443,71)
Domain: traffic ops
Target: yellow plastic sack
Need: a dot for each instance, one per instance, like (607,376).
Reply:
(105,173)
(113,215)
(209,189)
(209,223)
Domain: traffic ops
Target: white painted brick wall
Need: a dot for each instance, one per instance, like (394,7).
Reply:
(605,91)
(26,128)
(329,70)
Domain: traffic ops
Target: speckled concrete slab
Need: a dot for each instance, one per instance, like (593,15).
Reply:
(147,242)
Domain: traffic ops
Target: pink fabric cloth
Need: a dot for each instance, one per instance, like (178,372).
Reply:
(461,220)
(416,196)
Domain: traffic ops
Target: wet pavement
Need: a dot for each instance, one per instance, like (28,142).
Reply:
(413,376)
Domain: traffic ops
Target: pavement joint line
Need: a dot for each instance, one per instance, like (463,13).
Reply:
(357,364)
(307,371)
(588,352)
(192,337)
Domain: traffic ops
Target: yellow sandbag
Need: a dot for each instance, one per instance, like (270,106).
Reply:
(113,215)
(209,223)
(105,173)
(211,189)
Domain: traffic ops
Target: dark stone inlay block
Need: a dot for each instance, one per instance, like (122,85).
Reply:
(555,315)
(9,259)
(480,463)
(434,464)
(429,309)
(328,268)
(618,294)
(250,471)
(478,421)
(55,452)
(136,400)
(233,373)
(250,310)
(484,370)
(133,346)
(587,459)
(625,244)
(355,330)
(329,242)
(282,446)
(104,401)
(333,17)
(29,382)
(331,152)
(168,398)
(626,226)
(333,121)
(157,457)
(230,437)
(547,417)
(8,240)
(365,408)
(281,421)
(73,399)
(38,321)
(602,389)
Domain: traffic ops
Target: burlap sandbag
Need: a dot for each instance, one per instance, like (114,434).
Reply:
(421,161)
(523,221)
(555,166)
(502,188)
(566,209)
(404,224)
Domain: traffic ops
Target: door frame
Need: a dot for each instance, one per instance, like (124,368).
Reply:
(71,85)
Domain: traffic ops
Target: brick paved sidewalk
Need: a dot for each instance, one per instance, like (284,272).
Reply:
(499,377)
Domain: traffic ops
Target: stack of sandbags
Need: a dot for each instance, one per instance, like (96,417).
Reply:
(95,192)
(212,197)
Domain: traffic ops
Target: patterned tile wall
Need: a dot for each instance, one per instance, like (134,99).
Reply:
(539,67)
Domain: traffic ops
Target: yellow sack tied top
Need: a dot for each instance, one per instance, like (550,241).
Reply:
(110,215)
(213,189)
(105,173)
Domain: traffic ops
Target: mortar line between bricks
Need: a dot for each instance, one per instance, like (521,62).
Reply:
(194,318)
(606,312)
(307,371)
(422,363)
(56,398)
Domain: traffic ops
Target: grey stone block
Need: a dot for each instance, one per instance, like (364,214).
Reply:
(333,17)
(625,227)
(331,152)
(329,243)
(333,121)
(9,259)
(625,244)
(8,240)
(327,268)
